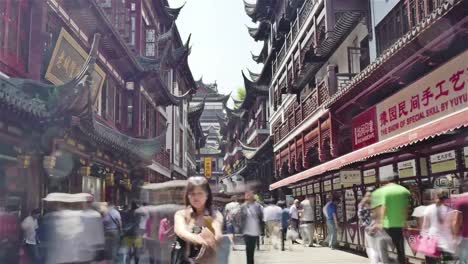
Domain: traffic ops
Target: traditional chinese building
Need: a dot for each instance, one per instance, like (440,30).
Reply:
(100,116)
(374,99)
(209,158)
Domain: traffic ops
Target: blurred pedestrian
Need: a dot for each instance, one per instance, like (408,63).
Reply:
(307,226)
(92,237)
(364,214)
(29,227)
(232,217)
(199,226)
(133,239)
(272,219)
(294,218)
(332,221)
(284,222)
(252,217)
(438,227)
(112,231)
(393,202)
(460,203)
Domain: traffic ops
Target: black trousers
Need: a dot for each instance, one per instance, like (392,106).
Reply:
(283,237)
(396,233)
(250,242)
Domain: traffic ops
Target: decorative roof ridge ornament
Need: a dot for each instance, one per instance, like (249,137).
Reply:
(198,107)
(74,97)
(168,35)
(251,86)
(253,76)
(181,54)
(173,13)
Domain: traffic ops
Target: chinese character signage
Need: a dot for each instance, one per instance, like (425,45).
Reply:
(407,169)
(67,59)
(327,185)
(336,183)
(208,172)
(365,129)
(443,162)
(438,94)
(465,150)
(369,176)
(317,187)
(349,178)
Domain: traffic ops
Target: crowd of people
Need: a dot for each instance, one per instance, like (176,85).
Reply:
(74,229)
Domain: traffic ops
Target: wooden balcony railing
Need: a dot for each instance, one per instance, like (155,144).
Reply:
(297,25)
(298,113)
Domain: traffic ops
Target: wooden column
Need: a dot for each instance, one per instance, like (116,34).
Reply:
(334,149)
(37,31)
(305,162)
(321,150)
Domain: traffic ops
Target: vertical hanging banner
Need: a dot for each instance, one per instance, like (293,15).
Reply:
(208,171)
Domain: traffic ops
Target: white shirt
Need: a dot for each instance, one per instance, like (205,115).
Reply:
(308,214)
(65,237)
(272,213)
(29,226)
(92,237)
(252,222)
(230,210)
(144,216)
(293,213)
(441,230)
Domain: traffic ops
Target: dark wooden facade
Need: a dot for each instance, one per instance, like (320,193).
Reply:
(140,55)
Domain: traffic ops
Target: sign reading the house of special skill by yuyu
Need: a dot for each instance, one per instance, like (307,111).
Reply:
(440,93)
(66,62)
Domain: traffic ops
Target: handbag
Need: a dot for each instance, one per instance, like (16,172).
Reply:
(427,245)
(292,234)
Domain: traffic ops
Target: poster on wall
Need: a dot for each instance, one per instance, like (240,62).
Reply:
(386,173)
(443,162)
(465,152)
(350,178)
(370,176)
(327,185)
(350,202)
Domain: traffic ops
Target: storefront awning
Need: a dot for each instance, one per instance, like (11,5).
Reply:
(432,129)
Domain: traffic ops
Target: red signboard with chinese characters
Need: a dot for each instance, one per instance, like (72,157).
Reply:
(365,129)
(439,93)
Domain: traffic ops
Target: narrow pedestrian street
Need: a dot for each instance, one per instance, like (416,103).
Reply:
(298,255)
(155,131)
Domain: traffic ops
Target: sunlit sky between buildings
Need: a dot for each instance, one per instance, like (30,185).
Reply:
(220,41)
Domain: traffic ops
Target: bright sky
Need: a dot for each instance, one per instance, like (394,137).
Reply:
(220,41)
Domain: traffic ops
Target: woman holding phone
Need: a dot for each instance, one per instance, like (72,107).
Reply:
(199,224)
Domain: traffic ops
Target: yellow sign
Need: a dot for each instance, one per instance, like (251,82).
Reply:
(370,176)
(66,62)
(443,162)
(208,171)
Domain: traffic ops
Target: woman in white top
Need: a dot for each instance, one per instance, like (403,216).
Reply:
(438,223)
(199,225)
